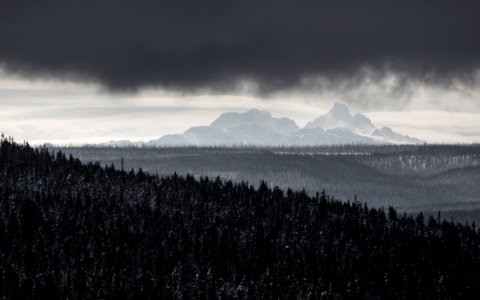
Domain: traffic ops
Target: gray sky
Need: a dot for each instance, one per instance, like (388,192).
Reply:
(92,71)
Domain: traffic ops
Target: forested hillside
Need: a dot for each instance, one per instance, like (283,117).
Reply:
(411,178)
(74,230)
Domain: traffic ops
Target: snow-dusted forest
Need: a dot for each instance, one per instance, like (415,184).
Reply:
(76,230)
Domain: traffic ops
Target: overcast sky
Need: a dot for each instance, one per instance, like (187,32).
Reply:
(91,71)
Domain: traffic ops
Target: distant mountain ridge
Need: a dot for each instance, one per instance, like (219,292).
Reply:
(255,127)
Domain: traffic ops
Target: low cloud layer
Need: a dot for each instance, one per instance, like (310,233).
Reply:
(276,45)
(50,111)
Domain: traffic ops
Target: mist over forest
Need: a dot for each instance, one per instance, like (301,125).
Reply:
(411,178)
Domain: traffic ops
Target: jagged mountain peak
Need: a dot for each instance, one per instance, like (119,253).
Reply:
(340,116)
(254,117)
(339,109)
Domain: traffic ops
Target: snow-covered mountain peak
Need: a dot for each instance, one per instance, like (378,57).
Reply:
(254,117)
(360,122)
(339,110)
(388,135)
(340,116)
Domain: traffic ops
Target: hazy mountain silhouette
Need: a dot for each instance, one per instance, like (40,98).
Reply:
(339,116)
(255,127)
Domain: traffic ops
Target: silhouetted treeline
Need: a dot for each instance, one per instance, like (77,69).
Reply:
(73,230)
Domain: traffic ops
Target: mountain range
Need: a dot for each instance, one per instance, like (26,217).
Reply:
(255,127)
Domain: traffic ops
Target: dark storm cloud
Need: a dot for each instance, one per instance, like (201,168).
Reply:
(192,44)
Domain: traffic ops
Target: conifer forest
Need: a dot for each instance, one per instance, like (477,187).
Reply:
(73,230)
